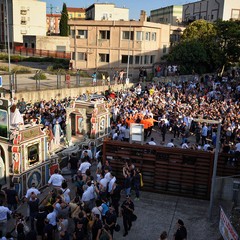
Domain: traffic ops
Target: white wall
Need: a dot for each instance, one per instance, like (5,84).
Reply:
(228,6)
(35,19)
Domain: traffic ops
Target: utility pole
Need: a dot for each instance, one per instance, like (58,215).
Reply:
(214,173)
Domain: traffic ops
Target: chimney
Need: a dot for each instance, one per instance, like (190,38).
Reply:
(143,16)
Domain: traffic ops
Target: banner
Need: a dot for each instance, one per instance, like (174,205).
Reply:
(225,227)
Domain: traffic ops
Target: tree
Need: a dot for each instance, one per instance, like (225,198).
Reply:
(190,56)
(228,39)
(217,45)
(199,29)
(63,25)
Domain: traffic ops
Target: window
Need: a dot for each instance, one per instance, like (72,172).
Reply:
(164,48)
(128,35)
(26,45)
(146,59)
(104,34)
(125,59)
(137,59)
(73,32)
(139,36)
(147,36)
(82,56)
(154,36)
(79,15)
(61,48)
(23,21)
(73,55)
(103,57)
(152,59)
(82,34)
(235,14)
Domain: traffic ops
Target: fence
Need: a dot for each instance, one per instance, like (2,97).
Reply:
(31,52)
(175,171)
(36,82)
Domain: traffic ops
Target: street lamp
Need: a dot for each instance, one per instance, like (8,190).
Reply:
(215,159)
(8,40)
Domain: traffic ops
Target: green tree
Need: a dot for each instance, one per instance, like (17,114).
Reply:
(199,29)
(190,55)
(63,25)
(228,39)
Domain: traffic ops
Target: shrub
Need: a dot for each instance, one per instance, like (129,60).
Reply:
(40,76)
(21,70)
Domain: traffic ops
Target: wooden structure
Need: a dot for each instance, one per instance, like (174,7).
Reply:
(175,171)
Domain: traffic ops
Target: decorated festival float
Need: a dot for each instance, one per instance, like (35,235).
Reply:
(23,150)
(87,124)
(27,153)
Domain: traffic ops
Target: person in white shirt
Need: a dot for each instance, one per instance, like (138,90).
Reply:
(206,147)
(88,151)
(107,174)
(31,190)
(56,179)
(84,166)
(88,196)
(111,183)
(52,216)
(185,145)
(98,209)
(4,211)
(204,134)
(152,142)
(171,144)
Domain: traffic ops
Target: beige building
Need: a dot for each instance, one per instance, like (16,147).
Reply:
(107,44)
(171,14)
(106,11)
(211,10)
(49,43)
(26,17)
(76,13)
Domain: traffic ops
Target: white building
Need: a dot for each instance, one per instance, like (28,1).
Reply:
(106,11)
(26,17)
(211,10)
(167,15)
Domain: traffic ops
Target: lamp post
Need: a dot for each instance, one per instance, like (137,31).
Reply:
(8,40)
(128,59)
(214,173)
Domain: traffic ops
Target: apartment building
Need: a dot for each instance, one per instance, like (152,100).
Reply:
(167,15)
(26,17)
(211,10)
(107,44)
(76,13)
(106,11)
(52,23)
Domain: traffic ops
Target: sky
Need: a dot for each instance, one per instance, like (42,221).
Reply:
(135,6)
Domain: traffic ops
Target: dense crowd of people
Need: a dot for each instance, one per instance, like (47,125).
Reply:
(90,212)
(94,207)
(174,106)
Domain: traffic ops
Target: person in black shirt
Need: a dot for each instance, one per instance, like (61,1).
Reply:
(97,227)
(40,217)
(127,211)
(33,203)
(79,232)
(48,230)
(12,197)
(73,162)
(181,233)
(110,219)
